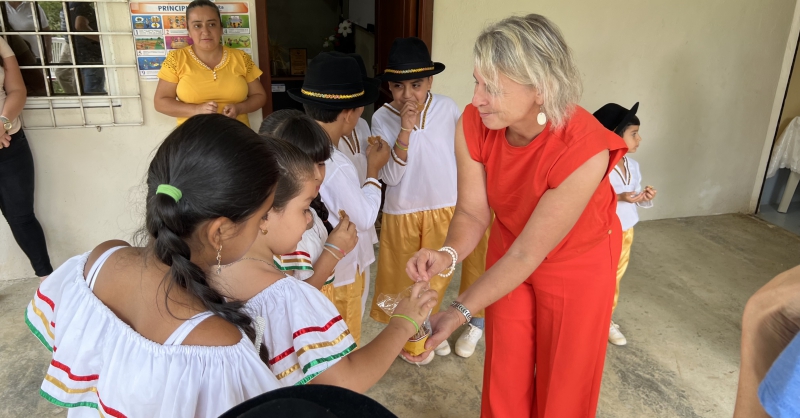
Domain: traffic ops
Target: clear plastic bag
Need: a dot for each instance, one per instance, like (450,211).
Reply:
(416,344)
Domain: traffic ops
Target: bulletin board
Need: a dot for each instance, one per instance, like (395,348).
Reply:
(161,27)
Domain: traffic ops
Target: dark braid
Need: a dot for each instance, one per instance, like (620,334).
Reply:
(322,212)
(223,169)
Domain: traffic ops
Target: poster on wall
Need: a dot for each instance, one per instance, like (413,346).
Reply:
(161,27)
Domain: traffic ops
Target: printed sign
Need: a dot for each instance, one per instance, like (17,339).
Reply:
(161,27)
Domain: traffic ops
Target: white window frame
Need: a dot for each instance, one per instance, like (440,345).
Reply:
(80,101)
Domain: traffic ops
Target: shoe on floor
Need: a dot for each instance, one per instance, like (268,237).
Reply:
(465,346)
(421,363)
(615,336)
(443,349)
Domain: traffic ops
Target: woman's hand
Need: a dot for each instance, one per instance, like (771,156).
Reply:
(409,114)
(5,140)
(231,111)
(443,324)
(417,306)
(631,197)
(427,263)
(206,108)
(345,235)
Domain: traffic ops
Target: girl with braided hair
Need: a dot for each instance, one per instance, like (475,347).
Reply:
(150,331)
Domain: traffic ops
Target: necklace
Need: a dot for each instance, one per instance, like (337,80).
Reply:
(214,70)
(255,259)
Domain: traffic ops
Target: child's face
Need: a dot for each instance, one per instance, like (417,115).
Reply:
(410,90)
(350,118)
(319,173)
(287,226)
(632,138)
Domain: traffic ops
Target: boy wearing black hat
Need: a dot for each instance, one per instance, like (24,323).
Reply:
(421,179)
(627,182)
(334,94)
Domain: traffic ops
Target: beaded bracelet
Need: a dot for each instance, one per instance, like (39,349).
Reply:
(454,254)
(408,318)
(329,245)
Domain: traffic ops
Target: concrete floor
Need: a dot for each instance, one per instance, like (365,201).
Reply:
(680,308)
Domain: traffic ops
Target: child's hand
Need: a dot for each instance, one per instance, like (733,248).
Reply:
(378,155)
(630,197)
(417,306)
(345,235)
(409,114)
(649,193)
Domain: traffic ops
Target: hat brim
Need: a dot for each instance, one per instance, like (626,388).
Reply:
(371,92)
(438,67)
(339,401)
(628,116)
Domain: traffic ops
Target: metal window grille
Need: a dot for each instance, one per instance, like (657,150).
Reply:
(119,75)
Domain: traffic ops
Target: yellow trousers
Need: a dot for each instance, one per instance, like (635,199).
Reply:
(347,300)
(624,258)
(401,237)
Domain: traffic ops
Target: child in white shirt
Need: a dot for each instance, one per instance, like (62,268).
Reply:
(627,182)
(421,178)
(334,95)
(315,258)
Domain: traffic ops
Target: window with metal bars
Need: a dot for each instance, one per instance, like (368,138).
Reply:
(77,62)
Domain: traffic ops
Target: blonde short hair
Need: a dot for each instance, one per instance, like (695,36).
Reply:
(530,50)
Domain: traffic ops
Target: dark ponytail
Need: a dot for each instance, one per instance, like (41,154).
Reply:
(223,169)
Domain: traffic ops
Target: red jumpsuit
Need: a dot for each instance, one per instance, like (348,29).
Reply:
(546,340)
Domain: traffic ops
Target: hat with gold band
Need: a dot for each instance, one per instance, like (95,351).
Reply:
(409,59)
(334,81)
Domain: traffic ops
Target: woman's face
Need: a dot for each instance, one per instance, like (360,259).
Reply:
(632,138)
(205,29)
(286,227)
(513,102)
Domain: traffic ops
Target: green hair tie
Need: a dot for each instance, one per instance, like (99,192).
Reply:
(170,191)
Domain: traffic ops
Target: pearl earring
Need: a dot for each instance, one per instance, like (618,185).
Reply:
(541,118)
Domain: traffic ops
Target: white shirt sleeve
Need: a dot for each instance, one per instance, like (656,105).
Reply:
(342,192)
(393,171)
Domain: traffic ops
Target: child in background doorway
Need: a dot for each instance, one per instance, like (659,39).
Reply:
(627,182)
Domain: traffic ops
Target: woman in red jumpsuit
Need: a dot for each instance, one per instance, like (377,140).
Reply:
(528,152)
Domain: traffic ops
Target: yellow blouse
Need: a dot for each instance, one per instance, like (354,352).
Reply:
(196,82)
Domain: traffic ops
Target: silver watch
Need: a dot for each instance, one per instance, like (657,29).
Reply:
(463,309)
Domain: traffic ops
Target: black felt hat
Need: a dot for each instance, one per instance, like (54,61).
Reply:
(614,116)
(361,66)
(334,81)
(409,59)
(309,401)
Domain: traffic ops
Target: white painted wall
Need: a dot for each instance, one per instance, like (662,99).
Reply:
(89,183)
(706,74)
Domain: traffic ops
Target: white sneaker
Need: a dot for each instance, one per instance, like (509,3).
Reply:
(465,346)
(443,349)
(421,363)
(614,335)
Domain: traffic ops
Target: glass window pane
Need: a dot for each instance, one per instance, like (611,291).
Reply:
(19,16)
(83,18)
(93,81)
(62,81)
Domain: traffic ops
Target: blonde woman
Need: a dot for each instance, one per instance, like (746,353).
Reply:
(526,150)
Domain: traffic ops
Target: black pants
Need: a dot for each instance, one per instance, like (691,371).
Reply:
(16,202)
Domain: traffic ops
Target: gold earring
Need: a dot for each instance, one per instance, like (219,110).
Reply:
(264,231)
(219,259)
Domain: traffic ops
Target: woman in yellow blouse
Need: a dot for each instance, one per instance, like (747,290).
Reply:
(208,77)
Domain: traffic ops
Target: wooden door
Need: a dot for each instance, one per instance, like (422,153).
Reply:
(399,19)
